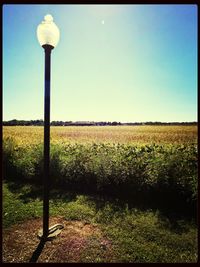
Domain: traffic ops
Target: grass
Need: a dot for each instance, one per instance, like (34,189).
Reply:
(136,235)
(14,210)
(139,184)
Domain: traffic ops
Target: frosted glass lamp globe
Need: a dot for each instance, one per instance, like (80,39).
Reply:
(47,32)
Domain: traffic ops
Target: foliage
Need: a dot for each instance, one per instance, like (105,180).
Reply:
(158,173)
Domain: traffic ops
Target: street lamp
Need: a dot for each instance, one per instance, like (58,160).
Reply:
(48,36)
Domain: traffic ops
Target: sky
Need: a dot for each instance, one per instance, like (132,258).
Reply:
(127,63)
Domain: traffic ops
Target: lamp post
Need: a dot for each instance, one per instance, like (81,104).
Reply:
(48,36)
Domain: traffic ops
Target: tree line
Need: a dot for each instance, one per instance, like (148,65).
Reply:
(88,123)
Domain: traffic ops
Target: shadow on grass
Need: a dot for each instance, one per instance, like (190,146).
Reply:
(29,191)
(170,209)
(38,251)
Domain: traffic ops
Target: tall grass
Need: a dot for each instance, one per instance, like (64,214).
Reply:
(162,174)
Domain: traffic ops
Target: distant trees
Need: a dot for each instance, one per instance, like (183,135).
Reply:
(88,123)
(23,123)
(57,123)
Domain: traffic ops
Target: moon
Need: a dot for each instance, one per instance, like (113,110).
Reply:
(102,22)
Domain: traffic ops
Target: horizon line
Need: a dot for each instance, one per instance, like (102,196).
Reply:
(106,121)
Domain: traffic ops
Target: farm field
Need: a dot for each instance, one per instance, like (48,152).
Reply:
(105,134)
(136,185)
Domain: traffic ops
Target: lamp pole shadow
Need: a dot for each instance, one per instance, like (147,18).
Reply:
(38,251)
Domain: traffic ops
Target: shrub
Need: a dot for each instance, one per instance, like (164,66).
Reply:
(153,172)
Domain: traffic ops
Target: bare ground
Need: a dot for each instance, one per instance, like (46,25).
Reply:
(74,244)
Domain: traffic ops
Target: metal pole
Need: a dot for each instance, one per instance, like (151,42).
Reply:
(47,50)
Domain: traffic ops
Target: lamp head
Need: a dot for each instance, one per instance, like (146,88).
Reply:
(47,32)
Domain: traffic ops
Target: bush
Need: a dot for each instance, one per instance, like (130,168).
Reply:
(22,162)
(159,173)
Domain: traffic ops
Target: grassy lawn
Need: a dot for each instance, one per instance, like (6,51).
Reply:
(137,235)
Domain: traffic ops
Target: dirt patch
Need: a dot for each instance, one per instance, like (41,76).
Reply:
(20,242)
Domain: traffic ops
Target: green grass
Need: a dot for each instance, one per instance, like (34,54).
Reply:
(15,210)
(136,235)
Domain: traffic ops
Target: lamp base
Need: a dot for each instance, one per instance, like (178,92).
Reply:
(54,231)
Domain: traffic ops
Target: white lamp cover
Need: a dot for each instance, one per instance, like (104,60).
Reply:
(47,32)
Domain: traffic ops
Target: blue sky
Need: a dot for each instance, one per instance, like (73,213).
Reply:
(123,63)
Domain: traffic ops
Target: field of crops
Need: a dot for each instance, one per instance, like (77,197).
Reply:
(106,134)
(150,168)
(120,161)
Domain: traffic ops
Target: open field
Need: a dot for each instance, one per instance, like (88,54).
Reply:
(105,134)
(136,185)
